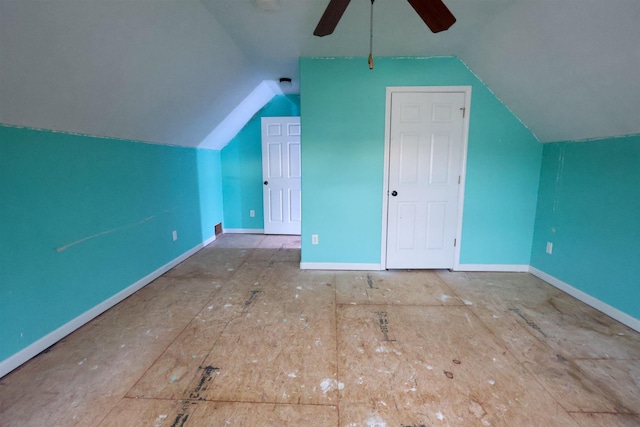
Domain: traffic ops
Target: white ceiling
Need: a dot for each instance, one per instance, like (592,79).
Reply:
(171,71)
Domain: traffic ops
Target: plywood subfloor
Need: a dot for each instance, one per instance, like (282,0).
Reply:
(237,335)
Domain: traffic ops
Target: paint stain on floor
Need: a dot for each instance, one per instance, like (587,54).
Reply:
(238,335)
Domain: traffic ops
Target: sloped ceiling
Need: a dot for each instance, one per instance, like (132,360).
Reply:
(157,71)
(171,71)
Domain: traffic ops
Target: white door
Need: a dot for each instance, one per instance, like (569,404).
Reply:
(425,163)
(281,174)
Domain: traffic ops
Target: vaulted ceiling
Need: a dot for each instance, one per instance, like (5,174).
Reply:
(186,72)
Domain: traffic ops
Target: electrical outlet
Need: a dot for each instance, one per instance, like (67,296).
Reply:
(252,213)
(549,248)
(314,239)
(175,235)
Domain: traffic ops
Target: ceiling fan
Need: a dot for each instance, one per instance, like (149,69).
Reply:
(434,13)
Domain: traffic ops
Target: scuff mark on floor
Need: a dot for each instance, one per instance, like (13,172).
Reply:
(529,323)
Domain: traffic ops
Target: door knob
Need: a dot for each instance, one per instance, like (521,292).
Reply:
(266,182)
(394,193)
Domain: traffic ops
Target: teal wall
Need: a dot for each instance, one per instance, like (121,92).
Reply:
(343,122)
(242,166)
(56,189)
(589,208)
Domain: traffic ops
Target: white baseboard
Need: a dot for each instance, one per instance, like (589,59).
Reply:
(207,242)
(47,341)
(613,312)
(339,266)
(510,268)
(244,230)
(515,268)
(50,339)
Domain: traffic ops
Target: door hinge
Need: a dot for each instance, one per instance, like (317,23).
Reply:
(458,179)
(463,109)
(455,241)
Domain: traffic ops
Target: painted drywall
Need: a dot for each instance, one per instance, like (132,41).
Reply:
(242,167)
(538,56)
(82,218)
(343,122)
(588,208)
(158,71)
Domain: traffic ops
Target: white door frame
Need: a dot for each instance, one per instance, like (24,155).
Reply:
(463,167)
(288,126)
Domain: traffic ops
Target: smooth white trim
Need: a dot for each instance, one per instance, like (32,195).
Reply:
(339,266)
(12,362)
(207,242)
(463,174)
(502,268)
(244,230)
(385,179)
(463,166)
(284,183)
(612,312)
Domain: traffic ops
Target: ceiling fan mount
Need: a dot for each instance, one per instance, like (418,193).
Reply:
(434,13)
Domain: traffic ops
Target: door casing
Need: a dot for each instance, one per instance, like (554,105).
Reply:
(463,168)
(287,181)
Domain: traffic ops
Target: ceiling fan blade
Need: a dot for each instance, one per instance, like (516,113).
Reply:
(434,13)
(330,18)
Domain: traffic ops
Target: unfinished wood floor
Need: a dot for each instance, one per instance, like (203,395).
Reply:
(237,335)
